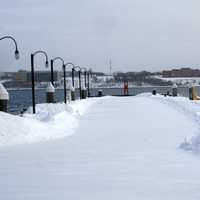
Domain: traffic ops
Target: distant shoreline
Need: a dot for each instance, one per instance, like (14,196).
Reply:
(155,86)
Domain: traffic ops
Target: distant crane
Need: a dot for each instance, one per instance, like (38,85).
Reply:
(110,65)
(110,74)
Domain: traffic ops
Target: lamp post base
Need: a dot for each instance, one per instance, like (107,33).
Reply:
(73,95)
(3,105)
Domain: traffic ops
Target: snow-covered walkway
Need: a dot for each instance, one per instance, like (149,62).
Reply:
(123,149)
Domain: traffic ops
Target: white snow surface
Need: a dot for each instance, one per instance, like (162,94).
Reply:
(191,109)
(51,121)
(123,148)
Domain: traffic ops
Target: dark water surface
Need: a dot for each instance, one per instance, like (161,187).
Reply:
(20,99)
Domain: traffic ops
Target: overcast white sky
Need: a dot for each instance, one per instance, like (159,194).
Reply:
(135,34)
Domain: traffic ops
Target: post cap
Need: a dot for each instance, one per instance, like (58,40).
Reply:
(190,85)
(174,85)
(84,88)
(3,93)
(50,88)
(72,89)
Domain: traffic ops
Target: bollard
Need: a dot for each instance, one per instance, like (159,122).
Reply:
(125,88)
(72,93)
(190,93)
(174,90)
(100,93)
(83,92)
(50,91)
(4,97)
(154,92)
(168,93)
(69,97)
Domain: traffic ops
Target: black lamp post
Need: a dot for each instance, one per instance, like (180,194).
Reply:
(72,89)
(73,70)
(84,91)
(33,76)
(79,77)
(4,96)
(16,48)
(85,75)
(88,77)
(65,92)
(73,66)
(52,68)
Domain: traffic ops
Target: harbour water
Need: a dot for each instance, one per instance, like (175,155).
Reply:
(22,99)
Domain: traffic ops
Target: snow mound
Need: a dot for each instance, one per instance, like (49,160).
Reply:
(51,121)
(191,109)
(145,94)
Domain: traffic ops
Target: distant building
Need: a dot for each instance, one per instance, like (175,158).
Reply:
(183,72)
(44,76)
(7,75)
(20,76)
(40,76)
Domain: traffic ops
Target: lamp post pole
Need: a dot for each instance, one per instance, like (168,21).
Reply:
(72,86)
(85,79)
(65,92)
(33,82)
(52,67)
(33,76)
(85,76)
(89,76)
(79,77)
(52,75)
(84,90)
(88,86)
(52,79)
(73,69)
(73,76)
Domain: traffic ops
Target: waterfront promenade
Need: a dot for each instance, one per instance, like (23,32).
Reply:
(121,148)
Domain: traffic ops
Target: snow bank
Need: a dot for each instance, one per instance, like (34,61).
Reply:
(191,109)
(51,121)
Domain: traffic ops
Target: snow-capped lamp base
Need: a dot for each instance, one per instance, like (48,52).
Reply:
(84,93)
(72,93)
(4,97)
(174,90)
(50,93)
(100,93)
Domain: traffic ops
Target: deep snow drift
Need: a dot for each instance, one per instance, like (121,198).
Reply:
(54,121)
(51,121)
(191,109)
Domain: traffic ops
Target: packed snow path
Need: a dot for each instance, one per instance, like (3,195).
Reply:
(123,149)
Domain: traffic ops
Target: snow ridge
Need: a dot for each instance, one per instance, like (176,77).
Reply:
(51,121)
(191,109)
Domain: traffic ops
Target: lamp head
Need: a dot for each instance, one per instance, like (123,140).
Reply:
(47,64)
(17,54)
